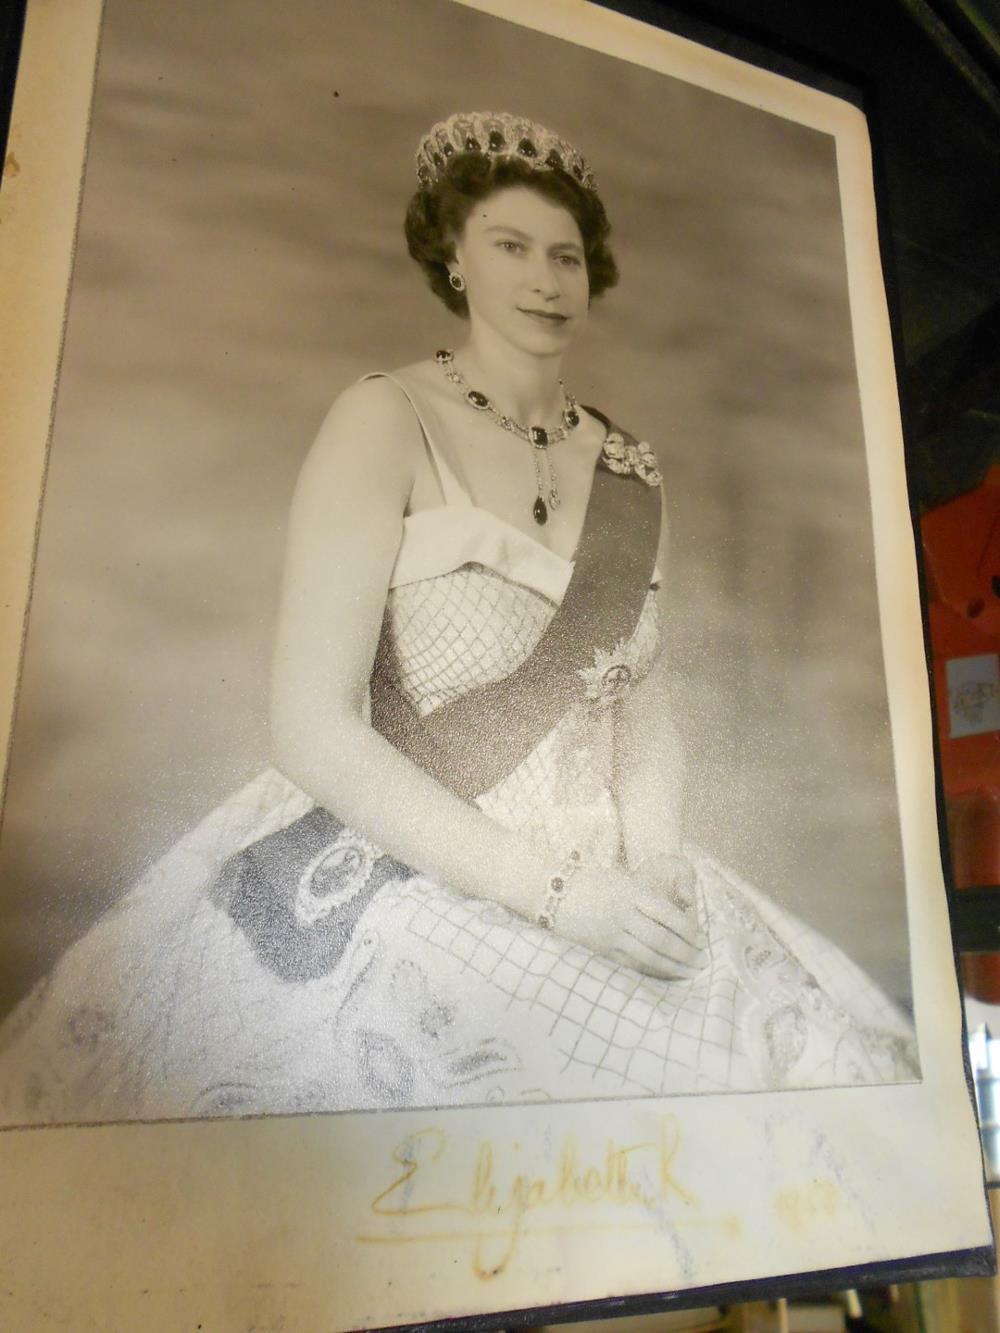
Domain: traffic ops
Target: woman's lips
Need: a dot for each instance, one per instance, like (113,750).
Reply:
(544,316)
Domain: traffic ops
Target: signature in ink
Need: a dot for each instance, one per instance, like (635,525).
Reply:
(499,1199)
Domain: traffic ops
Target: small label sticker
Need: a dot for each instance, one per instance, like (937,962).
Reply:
(973,694)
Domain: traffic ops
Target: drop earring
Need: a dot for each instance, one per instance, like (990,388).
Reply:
(457,281)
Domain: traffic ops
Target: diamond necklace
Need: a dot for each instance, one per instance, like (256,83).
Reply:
(537,436)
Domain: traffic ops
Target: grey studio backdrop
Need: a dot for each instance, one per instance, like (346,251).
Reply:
(241,260)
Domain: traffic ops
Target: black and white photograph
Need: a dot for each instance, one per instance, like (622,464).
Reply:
(453,673)
(469,841)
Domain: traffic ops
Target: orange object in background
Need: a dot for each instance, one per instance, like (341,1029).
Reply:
(961,541)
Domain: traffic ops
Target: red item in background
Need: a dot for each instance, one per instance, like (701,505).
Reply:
(974,832)
(961,543)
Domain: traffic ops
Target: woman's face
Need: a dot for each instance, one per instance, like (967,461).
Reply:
(525,272)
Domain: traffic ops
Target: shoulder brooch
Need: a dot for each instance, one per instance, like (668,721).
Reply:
(630,457)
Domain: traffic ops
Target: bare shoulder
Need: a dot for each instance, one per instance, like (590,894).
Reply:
(370,429)
(375,410)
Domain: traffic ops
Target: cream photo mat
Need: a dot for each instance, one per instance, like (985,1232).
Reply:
(330,1221)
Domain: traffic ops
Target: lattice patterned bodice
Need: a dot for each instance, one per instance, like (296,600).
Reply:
(462,630)
(473,626)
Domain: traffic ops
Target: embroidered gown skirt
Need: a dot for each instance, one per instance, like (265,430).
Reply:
(370,987)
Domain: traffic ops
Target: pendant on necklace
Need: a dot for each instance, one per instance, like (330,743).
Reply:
(537,436)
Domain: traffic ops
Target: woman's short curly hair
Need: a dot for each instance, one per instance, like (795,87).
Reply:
(437,216)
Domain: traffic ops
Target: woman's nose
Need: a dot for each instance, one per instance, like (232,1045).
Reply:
(545,280)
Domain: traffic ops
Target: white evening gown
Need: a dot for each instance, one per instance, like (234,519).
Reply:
(176,1005)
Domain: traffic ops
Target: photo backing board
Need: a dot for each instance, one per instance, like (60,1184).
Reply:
(371,1220)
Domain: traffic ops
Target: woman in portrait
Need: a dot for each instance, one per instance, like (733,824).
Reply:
(464,880)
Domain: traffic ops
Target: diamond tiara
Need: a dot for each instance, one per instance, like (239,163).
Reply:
(497,135)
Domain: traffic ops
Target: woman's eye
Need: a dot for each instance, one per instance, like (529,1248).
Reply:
(570,261)
(510,246)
